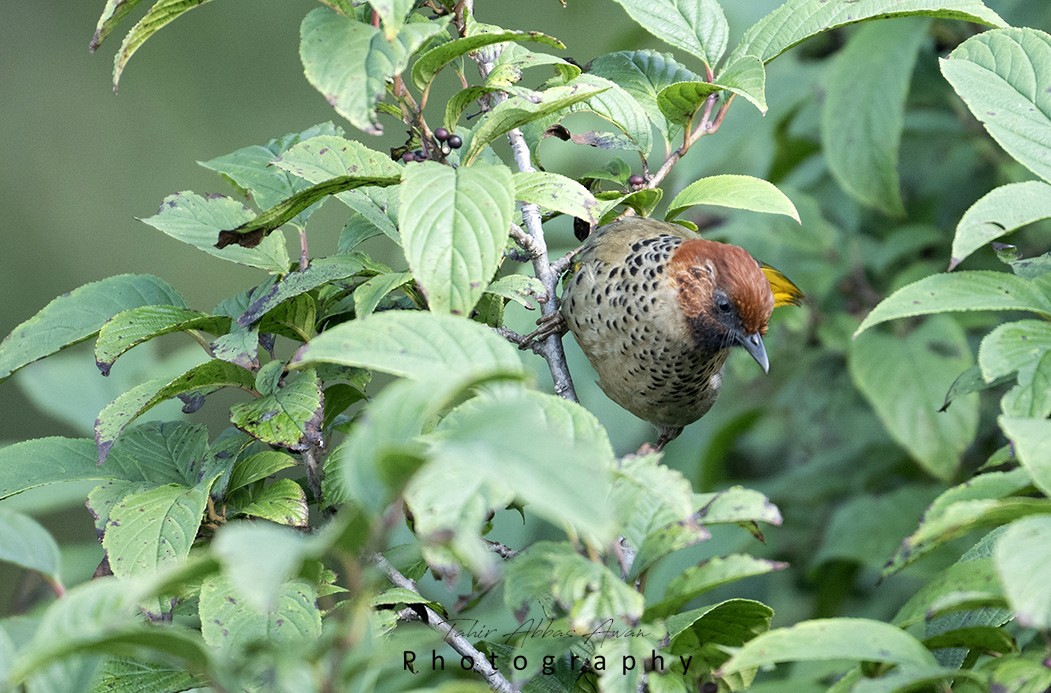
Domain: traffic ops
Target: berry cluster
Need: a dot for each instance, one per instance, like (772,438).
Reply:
(445,137)
(446,141)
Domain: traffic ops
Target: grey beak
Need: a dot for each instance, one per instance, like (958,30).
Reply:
(753,344)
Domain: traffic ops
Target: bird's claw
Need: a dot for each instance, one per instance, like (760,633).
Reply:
(552,325)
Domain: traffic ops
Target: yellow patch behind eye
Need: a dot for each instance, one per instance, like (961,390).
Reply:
(785,292)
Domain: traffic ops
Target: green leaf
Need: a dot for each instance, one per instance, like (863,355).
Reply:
(518,288)
(258,467)
(252,169)
(1021,556)
(1002,77)
(958,518)
(289,418)
(321,271)
(349,62)
(160,15)
(392,13)
(131,676)
(620,109)
(197,220)
(797,20)
(710,632)
(172,452)
(746,77)
(227,626)
(488,448)
(112,14)
(735,192)
(24,542)
(696,580)
(642,201)
(904,379)
(122,411)
(643,74)
(1013,346)
(250,233)
(283,502)
(258,558)
(431,62)
(415,35)
(969,381)
(963,585)
(695,26)
(863,112)
(88,613)
(79,314)
(589,591)
(324,158)
(826,639)
(648,497)
(918,678)
(1032,443)
(454,229)
(150,529)
(556,192)
(679,102)
(1005,209)
(129,328)
(370,293)
(735,504)
(959,291)
(43,461)
(517,111)
(382,450)
(414,344)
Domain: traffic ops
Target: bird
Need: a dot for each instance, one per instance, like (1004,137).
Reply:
(657,309)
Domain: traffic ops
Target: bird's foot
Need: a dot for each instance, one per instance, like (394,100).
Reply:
(553,325)
(667,435)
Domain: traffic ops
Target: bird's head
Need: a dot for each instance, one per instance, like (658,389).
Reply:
(727,296)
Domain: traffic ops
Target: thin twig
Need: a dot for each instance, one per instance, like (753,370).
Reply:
(519,340)
(456,640)
(562,264)
(524,240)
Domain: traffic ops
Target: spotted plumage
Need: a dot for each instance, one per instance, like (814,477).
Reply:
(655,308)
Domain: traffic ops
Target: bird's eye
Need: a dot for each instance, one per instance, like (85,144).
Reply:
(723,304)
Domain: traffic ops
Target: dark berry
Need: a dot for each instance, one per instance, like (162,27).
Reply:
(420,155)
(441,134)
(408,156)
(636,181)
(454,142)
(710,687)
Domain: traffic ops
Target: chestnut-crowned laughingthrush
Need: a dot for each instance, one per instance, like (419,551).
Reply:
(656,309)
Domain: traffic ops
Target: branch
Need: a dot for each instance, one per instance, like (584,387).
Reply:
(519,340)
(456,640)
(551,348)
